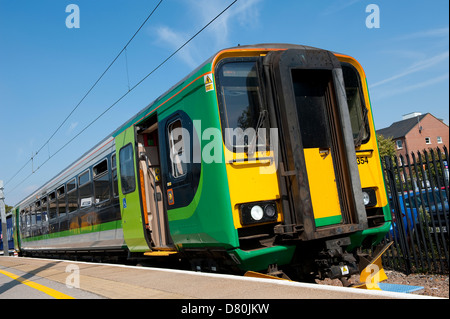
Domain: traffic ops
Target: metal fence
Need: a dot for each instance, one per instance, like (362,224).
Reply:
(418,190)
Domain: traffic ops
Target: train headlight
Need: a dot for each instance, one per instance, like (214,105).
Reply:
(369,197)
(270,210)
(259,212)
(366,198)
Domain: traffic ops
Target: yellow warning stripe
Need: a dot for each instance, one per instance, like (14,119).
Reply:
(44,289)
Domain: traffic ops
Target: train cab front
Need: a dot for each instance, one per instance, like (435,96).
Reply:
(293,176)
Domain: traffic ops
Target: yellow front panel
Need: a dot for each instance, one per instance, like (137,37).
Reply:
(251,181)
(323,188)
(368,157)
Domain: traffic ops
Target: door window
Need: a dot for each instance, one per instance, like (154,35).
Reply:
(127,174)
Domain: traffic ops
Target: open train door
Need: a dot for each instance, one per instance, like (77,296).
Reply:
(143,213)
(318,170)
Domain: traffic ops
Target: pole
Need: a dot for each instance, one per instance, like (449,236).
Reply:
(3,216)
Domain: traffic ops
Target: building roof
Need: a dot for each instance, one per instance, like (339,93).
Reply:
(401,128)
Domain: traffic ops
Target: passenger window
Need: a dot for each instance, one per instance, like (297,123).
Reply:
(33,215)
(52,209)
(60,192)
(127,175)
(177,149)
(38,212)
(114,176)
(72,196)
(101,182)
(44,209)
(85,189)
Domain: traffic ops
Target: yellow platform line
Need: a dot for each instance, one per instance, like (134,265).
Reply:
(49,291)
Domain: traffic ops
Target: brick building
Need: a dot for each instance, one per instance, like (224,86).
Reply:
(417,132)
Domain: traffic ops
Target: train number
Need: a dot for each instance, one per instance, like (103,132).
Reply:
(362,160)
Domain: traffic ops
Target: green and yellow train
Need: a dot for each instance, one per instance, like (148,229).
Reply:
(262,159)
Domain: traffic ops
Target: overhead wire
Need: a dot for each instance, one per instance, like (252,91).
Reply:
(126,93)
(88,92)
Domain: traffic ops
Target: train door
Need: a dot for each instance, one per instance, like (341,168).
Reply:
(151,184)
(144,222)
(319,170)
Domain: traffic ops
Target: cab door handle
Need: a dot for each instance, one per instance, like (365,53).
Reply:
(324,152)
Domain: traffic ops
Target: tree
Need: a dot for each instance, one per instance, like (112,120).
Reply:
(386,146)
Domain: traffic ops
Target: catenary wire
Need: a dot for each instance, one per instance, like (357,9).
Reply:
(87,93)
(125,94)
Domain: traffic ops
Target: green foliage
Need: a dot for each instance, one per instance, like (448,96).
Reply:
(386,146)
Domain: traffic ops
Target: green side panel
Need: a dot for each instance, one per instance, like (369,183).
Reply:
(207,220)
(376,234)
(259,260)
(130,204)
(78,231)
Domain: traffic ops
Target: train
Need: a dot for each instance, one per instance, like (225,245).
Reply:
(9,234)
(263,159)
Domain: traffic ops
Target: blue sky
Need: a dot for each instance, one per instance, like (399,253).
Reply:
(46,68)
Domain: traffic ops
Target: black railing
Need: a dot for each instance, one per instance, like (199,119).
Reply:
(418,190)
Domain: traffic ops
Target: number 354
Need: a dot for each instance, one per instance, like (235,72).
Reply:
(362,160)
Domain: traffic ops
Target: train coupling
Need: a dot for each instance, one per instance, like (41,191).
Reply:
(335,262)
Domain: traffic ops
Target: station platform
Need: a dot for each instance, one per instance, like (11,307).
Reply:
(112,281)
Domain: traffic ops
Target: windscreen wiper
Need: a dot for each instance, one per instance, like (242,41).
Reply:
(252,146)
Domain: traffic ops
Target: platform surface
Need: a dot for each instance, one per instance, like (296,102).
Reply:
(127,282)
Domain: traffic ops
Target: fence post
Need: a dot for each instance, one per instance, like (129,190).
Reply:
(398,214)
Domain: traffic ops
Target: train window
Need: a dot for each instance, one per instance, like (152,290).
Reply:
(33,215)
(72,196)
(52,196)
(72,201)
(127,174)
(85,189)
(240,102)
(113,161)
(61,201)
(71,185)
(177,149)
(38,218)
(37,206)
(61,191)
(52,207)
(28,220)
(84,178)
(100,168)
(22,219)
(101,182)
(114,176)
(310,87)
(44,209)
(356,105)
